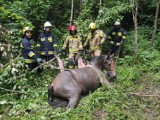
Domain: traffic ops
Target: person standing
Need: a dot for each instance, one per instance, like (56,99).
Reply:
(115,39)
(75,46)
(29,55)
(95,40)
(47,43)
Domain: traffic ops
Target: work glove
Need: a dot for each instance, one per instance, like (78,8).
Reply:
(63,51)
(80,51)
(39,60)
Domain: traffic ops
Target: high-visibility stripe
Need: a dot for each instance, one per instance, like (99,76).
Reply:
(42,53)
(102,41)
(94,47)
(29,60)
(31,54)
(111,42)
(21,45)
(38,45)
(109,37)
(49,52)
(73,50)
(70,66)
(124,37)
(55,45)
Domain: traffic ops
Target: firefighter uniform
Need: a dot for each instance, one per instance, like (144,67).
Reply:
(115,39)
(75,44)
(28,54)
(47,44)
(95,41)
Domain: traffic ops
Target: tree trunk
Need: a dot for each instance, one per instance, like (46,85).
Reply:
(72,10)
(100,2)
(155,25)
(135,14)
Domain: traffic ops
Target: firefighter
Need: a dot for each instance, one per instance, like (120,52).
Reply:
(115,39)
(30,57)
(75,46)
(95,40)
(47,43)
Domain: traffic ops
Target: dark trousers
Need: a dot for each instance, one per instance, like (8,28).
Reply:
(114,50)
(47,58)
(31,66)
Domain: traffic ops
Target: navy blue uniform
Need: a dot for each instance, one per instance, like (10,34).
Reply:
(116,38)
(28,54)
(47,44)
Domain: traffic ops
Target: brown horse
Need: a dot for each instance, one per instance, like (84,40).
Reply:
(70,84)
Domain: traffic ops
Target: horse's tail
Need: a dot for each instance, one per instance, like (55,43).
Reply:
(50,95)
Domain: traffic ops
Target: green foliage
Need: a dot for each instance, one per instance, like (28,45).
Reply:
(24,93)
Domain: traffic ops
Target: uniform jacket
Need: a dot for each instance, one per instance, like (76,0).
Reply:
(74,43)
(27,50)
(47,44)
(117,36)
(95,40)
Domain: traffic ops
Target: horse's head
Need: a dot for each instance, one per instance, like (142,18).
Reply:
(105,62)
(110,66)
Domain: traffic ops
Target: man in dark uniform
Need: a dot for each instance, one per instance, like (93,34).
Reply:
(115,39)
(30,57)
(47,43)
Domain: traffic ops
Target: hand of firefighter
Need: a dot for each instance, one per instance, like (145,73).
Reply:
(39,60)
(80,51)
(63,51)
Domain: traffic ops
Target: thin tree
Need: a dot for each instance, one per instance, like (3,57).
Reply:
(72,11)
(135,14)
(155,25)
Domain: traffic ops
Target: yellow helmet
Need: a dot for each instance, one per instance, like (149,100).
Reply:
(92,26)
(26,29)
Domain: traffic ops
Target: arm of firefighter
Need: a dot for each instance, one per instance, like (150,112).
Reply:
(103,37)
(109,38)
(55,44)
(65,43)
(28,49)
(80,44)
(123,36)
(38,44)
(87,41)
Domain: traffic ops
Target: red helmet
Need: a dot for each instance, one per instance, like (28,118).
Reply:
(72,28)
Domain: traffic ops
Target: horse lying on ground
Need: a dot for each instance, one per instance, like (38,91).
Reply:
(70,84)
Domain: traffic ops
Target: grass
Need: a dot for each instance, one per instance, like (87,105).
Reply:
(124,102)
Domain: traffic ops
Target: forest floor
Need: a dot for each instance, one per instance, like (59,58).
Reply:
(135,96)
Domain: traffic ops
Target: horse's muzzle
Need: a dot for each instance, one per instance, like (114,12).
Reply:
(112,74)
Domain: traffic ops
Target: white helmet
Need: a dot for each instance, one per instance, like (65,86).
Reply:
(117,23)
(47,24)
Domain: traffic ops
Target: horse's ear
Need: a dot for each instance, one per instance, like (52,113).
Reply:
(111,56)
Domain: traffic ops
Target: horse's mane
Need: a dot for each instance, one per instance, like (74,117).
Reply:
(97,60)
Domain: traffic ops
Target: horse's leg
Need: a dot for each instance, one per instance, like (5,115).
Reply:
(73,101)
(50,95)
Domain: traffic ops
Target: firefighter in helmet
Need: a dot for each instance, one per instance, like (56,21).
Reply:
(30,57)
(115,39)
(95,40)
(47,43)
(73,41)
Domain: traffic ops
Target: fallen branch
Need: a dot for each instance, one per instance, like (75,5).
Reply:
(21,92)
(44,63)
(144,95)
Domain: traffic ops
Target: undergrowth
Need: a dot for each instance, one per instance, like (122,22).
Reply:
(127,100)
